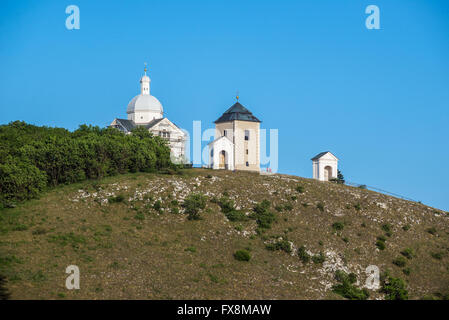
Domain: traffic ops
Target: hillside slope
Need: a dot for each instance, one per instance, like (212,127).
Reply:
(127,246)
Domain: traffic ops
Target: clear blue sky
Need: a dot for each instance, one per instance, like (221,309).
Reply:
(378,99)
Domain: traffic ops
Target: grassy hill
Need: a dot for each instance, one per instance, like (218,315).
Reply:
(132,239)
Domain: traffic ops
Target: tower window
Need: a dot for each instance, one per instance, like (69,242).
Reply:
(247,163)
(246,151)
(247,135)
(225,133)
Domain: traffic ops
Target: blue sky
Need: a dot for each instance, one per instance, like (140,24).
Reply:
(378,99)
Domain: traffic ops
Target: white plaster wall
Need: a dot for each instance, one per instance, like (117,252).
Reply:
(322,163)
(219,145)
(140,117)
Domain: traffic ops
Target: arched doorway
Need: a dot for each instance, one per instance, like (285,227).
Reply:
(327,173)
(223,160)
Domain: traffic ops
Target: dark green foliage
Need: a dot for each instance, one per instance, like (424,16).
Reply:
(227,207)
(193,204)
(394,288)
(346,287)
(299,188)
(437,255)
(157,206)
(340,177)
(283,245)
(387,228)
(406,271)
(264,217)
(380,243)
(400,262)
(303,255)
(432,230)
(288,207)
(319,258)
(33,158)
(406,227)
(338,226)
(362,186)
(320,206)
(116,199)
(242,255)
(408,253)
(139,216)
(357,206)
(4,293)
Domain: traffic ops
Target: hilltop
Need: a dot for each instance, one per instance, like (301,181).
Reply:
(132,239)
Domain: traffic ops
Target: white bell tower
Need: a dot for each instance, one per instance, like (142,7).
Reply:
(145,83)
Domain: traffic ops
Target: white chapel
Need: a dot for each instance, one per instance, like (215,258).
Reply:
(146,110)
(325,166)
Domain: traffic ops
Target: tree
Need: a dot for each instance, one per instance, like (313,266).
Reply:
(340,177)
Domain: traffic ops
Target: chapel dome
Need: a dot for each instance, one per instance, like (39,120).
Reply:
(144,102)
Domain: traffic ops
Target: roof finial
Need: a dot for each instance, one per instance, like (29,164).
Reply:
(237,95)
(145,69)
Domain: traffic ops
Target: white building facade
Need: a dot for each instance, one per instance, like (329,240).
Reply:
(145,110)
(325,166)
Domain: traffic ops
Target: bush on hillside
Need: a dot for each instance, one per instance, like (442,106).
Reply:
(242,255)
(32,157)
(264,217)
(394,288)
(193,204)
(346,287)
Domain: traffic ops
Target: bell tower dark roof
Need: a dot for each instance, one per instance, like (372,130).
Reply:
(237,112)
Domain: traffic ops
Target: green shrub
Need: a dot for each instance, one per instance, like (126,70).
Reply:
(236,215)
(408,253)
(191,249)
(264,217)
(400,262)
(338,226)
(357,206)
(406,271)
(227,207)
(157,205)
(380,244)
(386,227)
(193,204)
(320,206)
(346,287)
(299,188)
(283,245)
(116,199)
(139,216)
(288,207)
(437,255)
(406,227)
(394,288)
(242,255)
(303,255)
(20,180)
(432,230)
(319,258)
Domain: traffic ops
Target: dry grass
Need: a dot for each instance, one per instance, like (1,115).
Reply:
(129,250)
